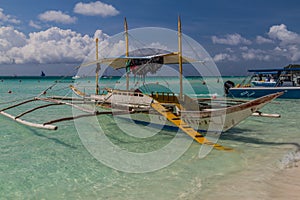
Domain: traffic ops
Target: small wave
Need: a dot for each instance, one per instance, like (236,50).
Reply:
(289,160)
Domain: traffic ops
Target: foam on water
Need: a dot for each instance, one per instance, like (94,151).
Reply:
(290,160)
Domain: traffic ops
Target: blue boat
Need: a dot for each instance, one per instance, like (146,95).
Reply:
(267,81)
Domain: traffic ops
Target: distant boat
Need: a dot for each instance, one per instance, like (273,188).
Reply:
(76,77)
(43,74)
(267,81)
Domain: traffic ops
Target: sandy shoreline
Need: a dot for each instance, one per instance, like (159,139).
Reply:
(249,185)
(285,184)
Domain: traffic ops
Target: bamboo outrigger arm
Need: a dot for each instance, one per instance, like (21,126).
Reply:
(32,124)
(54,102)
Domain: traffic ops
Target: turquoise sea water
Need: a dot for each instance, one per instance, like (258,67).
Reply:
(43,164)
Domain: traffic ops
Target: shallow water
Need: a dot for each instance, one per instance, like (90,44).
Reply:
(42,164)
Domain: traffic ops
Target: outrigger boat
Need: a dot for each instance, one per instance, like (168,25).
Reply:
(193,116)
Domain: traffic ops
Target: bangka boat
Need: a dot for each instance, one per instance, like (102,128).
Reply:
(194,116)
(267,81)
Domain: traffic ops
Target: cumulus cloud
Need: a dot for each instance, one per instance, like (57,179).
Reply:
(10,38)
(57,16)
(232,39)
(256,54)
(95,8)
(223,57)
(289,42)
(280,32)
(263,40)
(8,18)
(53,45)
(285,44)
(34,25)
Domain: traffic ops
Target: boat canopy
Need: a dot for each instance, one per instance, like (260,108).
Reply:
(123,62)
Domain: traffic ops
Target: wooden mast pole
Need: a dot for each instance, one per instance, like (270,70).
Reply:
(127,51)
(180,58)
(98,67)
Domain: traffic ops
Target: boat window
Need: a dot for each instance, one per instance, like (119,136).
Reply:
(141,95)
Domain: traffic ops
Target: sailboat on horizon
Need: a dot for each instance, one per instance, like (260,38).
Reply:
(43,74)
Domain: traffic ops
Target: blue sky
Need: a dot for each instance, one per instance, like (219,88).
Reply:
(238,34)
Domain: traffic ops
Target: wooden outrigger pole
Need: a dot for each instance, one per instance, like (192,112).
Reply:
(127,51)
(98,67)
(180,58)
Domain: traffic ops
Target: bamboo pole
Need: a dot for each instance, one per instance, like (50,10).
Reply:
(180,58)
(98,66)
(36,108)
(24,102)
(66,103)
(89,115)
(36,125)
(127,51)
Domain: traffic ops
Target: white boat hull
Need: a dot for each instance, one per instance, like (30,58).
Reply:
(216,120)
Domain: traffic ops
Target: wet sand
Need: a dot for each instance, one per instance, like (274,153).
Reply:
(285,184)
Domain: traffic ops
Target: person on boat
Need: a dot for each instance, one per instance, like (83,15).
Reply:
(267,79)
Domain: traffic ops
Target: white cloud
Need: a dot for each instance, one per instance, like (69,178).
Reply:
(10,38)
(256,54)
(57,16)
(285,36)
(289,42)
(100,35)
(34,25)
(230,50)
(95,8)
(53,45)
(287,45)
(233,39)
(8,18)
(224,57)
(244,48)
(263,40)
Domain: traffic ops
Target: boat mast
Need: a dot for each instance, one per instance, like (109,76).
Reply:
(127,51)
(180,58)
(97,68)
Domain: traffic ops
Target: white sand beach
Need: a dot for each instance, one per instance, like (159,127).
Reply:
(285,184)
